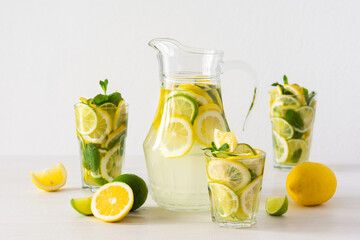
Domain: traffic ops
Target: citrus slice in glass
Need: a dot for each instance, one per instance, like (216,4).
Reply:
(109,107)
(221,138)
(282,127)
(102,130)
(225,201)
(297,91)
(248,198)
(205,124)
(210,106)
(231,173)
(298,150)
(276,206)
(281,148)
(177,138)
(111,164)
(50,179)
(114,137)
(182,105)
(112,202)
(82,205)
(120,116)
(198,90)
(244,148)
(86,118)
(201,100)
(307,114)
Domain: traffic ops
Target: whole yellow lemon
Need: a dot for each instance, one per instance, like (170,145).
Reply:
(311,183)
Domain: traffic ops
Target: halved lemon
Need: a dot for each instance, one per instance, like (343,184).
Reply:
(111,164)
(221,138)
(281,148)
(205,124)
(102,130)
(177,138)
(112,202)
(86,118)
(50,179)
(120,116)
(225,201)
(249,198)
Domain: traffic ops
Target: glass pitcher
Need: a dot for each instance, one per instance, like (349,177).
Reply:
(189,110)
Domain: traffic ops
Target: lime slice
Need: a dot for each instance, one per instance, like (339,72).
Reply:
(307,114)
(177,138)
(231,173)
(298,150)
(205,124)
(287,100)
(111,164)
(120,117)
(249,198)
(276,206)
(201,100)
(221,138)
(243,148)
(114,137)
(82,205)
(182,105)
(225,201)
(102,130)
(282,127)
(110,108)
(281,148)
(86,118)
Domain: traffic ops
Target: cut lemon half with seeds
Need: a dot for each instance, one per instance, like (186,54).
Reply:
(249,197)
(182,105)
(221,138)
(177,138)
(111,164)
(50,179)
(225,200)
(102,130)
(82,205)
(231,173)
(281,148)
(282,127)
(112,202)
(86,118)
(205,124)
(276,206)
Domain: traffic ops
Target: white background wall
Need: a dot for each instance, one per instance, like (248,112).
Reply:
(53,52)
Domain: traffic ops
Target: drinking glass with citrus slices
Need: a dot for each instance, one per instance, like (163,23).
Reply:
(235,172)
(292,114)
(101,127)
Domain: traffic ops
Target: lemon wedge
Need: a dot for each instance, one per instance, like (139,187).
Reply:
(221,138)
(50,179)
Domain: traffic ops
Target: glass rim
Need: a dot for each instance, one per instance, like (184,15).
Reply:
(125,104)
(262,154)
(315,94)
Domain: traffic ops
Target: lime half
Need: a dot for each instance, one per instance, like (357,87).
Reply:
(276,206)
(225,201)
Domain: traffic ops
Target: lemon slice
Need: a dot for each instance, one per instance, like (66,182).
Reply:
(281,148)
(283,103)
(297,91)
(225,201)
(244,148)
(274,93)
(197,90)
(114,137)
(249,198)
(201,100)
(221,138)
(109,107)
(86,118)
(82,205)
(282,127)
(307,114)
(112,202)
(102,130)
(177,138)
(111,164)
(231,173)
(182,105)
(120,117)
(205,124)
(297,151)
(210,106)
(50,179)
(83,100)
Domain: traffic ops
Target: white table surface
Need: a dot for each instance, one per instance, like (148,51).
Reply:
(30,213)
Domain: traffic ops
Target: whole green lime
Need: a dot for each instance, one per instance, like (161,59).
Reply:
(138,186)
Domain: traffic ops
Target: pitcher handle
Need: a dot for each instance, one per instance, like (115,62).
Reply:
(236,64)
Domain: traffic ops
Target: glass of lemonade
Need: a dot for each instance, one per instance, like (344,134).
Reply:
(234,183)
(101,127)
(292,114)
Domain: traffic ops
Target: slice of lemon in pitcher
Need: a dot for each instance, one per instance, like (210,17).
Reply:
(205,124)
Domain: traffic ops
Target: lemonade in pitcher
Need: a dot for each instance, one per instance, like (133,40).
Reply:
(189,110)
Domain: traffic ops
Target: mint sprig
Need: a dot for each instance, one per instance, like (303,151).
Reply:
(213,147)
(100,99)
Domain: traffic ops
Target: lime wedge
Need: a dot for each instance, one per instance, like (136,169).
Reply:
(307,114)
(282,127)
(231,173)
(249,198)
(298,150)
(82,205)
(182,105)
(225,201)
(86,118)
(276,206)
(281,148)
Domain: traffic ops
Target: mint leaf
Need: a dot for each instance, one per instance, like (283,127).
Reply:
(100,99)
(224,147)
(91,157)
(115,98)
(214,146)
(297,135)
(253,175)
(294,118)
(311,96)
(285,79)
(296,155)
(103,85)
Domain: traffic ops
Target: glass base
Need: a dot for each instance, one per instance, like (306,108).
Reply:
(228,224)
(283,166)
(91,188)
(180,208)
